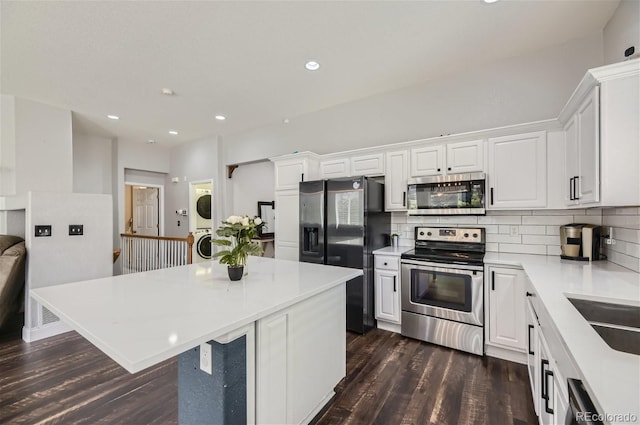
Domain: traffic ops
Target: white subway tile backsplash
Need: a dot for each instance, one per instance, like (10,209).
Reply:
(547,219)
(510,212)
(540,240)
(523,249)
(538,230)
(553,230)
(558,212)
(553,250)
(628,235)
(491,247)
(533,230)
(588,219)
(503,238)
(500,219)
(491,228)
(624,260)
(626,221)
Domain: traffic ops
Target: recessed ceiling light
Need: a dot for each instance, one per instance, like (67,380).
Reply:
(173,132)
(167,92)
(151,141)
(221,117)
(312,65)
(285,121)
(489,1)
(113,117)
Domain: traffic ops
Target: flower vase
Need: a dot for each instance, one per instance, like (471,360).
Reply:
(235,273)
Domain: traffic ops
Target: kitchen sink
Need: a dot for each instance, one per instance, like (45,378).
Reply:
(617,324)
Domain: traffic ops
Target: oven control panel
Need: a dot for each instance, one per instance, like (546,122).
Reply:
(450,234)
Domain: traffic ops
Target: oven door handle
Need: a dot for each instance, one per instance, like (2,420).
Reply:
(425,265)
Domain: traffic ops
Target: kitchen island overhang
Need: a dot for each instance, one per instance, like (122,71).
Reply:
(145,318)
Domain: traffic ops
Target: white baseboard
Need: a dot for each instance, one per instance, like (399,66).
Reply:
(506,354)
(44,331)
(392,327)
(319,407)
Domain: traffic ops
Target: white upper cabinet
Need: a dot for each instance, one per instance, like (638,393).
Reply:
(292,169)
(601,137)
(452,158)
(368,165)
(334,168)
(427,161)
(517,171)
(395,181)
(582,152)
(465,157)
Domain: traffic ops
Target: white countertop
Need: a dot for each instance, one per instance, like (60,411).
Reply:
(392,250)
(612,377)
(142,319)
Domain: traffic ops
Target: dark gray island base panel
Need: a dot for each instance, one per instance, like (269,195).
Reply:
(219,398)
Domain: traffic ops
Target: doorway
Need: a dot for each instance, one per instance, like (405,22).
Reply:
(143,209)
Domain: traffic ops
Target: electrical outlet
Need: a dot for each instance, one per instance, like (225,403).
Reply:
(41,231)
(76,229)
(206,363)
(514,231)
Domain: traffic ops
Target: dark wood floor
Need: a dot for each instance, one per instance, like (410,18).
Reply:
(390,380)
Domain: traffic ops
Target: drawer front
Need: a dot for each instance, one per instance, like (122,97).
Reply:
(386,263)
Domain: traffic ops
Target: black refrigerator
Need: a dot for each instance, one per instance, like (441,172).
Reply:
(342,221)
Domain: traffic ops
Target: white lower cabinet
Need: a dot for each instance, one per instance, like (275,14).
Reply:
(506,308)
(387,289)
(546,376)
(300,358)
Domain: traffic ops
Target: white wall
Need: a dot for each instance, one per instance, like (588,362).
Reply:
(36,147)
(622,31)
(134,155)
(62,258)
(252,183)
(522,89)
(7,145)
(92,168)
(193,162)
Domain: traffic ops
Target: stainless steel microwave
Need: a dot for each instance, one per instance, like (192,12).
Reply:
(452,194)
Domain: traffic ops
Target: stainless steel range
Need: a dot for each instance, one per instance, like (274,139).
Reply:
(443,288)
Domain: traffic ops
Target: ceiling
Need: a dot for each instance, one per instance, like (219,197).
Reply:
(245,60)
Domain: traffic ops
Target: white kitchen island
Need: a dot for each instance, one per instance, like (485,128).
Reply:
(277,336)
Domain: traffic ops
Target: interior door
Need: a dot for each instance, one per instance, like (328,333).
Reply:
(145,211)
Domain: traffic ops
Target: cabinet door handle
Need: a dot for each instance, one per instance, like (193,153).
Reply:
(547,374)
(491,192)
(438,170)
(543,381)
(529,294)
(302,177)
(404,199)
(576,187)
(385,264)
(394,284)
(493,280)
(529,338)
(571,189)
(449,168)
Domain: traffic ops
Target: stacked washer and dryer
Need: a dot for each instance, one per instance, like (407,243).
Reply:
(201,212)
